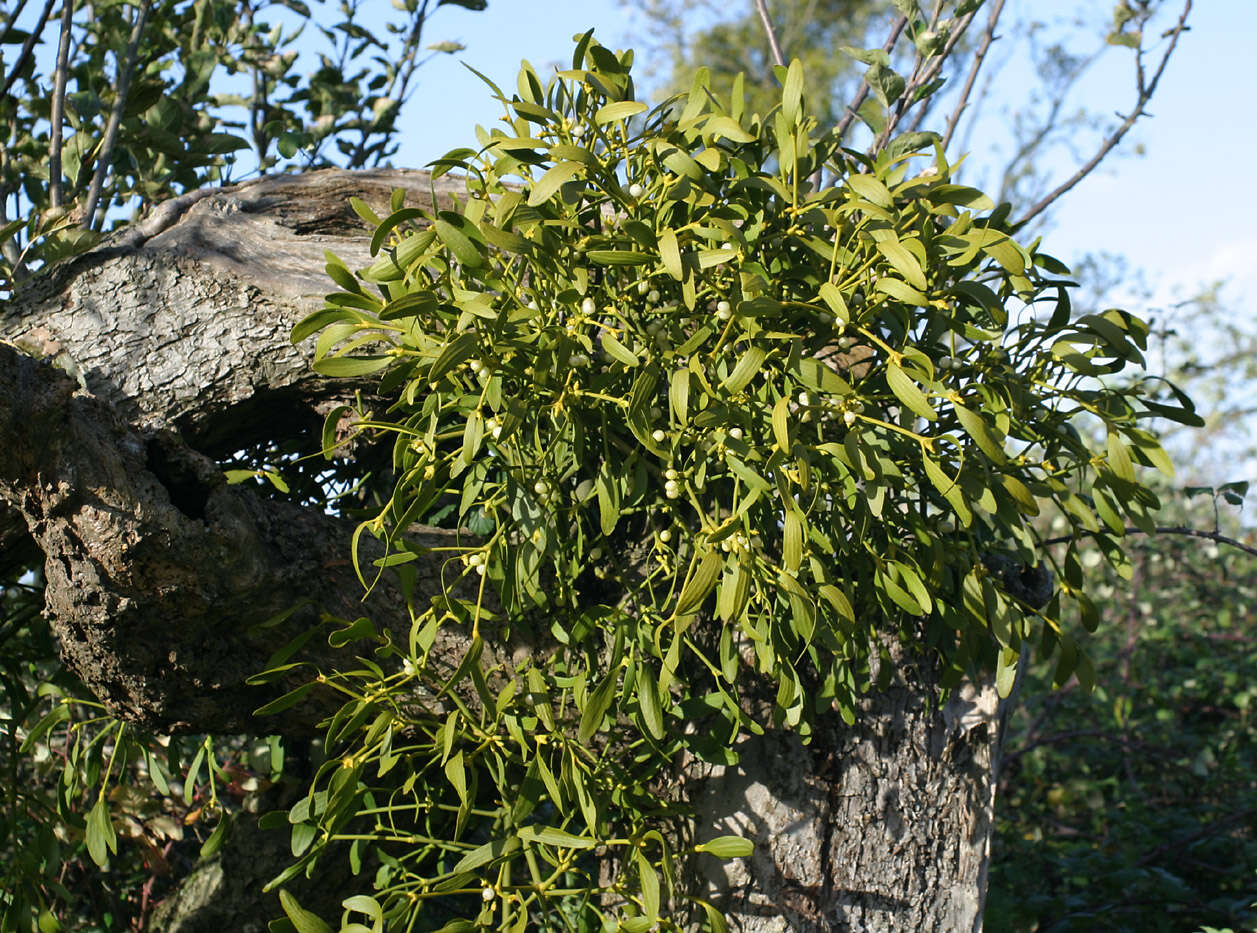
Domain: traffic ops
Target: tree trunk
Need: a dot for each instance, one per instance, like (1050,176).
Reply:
(170,350)
(880,826)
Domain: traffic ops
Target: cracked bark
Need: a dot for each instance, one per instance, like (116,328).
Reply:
(158,572)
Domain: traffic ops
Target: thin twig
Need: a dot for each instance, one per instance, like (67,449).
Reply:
(57,117)
(845,123)
(762,6)
(1173,530)
(921,80)
(1146,90)
(126,69)
(27,47)
(979,57)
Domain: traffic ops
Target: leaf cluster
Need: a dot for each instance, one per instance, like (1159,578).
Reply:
(714,434)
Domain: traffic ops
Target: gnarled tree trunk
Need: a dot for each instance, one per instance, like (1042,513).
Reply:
(167,348)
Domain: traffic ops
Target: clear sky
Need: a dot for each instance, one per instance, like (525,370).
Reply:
(1167,211)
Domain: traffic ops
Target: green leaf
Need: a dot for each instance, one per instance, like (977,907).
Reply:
(100,833)
(792,92)
(456,351)
(291,698)
(649,702)
(218,836)
(833,297)
(618,257)
(348,367)
(1119,458)
(869,188)
(670,254)
(727,847)
(596,706)
(745,371)
(781,424)
(619,110)
(903,261)
(679,395)
(550,836)
(650,886)
(484,854)
(701,582)
(721,125)
(715,919)
(976,427)
(902,291)
(552,181)
(458,243)
(1006,671)
(456,774)
(907,392)
(302,919)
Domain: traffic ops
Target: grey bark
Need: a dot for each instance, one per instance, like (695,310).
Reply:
(157,571)
(881,826)
(175,338)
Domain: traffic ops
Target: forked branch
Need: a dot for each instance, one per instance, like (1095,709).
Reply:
(858,100)
(1145,89)
(979,57)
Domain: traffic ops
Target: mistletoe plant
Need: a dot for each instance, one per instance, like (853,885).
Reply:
(714,432)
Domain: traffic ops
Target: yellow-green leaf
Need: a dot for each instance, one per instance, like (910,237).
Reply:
(869,188)
(550,836)
(619,110)
(552,180)
(745,371)
(907,392)
(700,583)
(670,253)
(781,424)
(727,847)
(617,350)
(903,261)
(976,427)
(458,243)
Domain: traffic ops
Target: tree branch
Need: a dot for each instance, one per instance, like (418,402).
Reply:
(921,79)
(126,71)
(762,7)
(1173,530)
(57,117)
(27,47)
(1145,91)
(845,123)
(988,36)
(165,586)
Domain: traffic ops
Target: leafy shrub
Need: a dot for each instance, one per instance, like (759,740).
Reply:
(697,413)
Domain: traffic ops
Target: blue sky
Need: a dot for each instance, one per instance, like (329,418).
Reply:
(1165,211)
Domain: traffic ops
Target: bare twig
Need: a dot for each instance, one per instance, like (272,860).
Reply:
(1050,124)
(27,47)
(398,89)
(920,79)
(762,6)
(57,117)
(1174,530)
(988,36)
(1146,90)
(845,123)
(126,70)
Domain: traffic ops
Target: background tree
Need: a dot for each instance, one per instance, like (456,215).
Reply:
(118,106)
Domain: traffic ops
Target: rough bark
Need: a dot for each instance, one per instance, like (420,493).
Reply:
(883,826)
(158,572)
(176,334)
